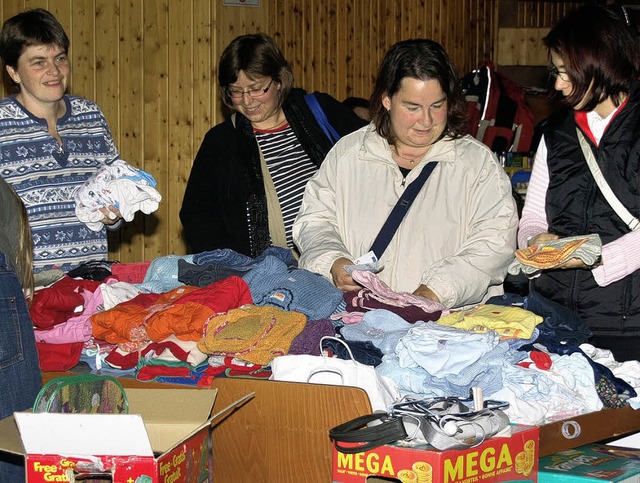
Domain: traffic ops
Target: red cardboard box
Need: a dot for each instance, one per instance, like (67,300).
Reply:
(498,459)
(164,438)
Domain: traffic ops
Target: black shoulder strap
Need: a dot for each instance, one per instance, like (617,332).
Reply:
(387,430)
(400,210)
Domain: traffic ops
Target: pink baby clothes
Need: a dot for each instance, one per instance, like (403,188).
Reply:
(383,293)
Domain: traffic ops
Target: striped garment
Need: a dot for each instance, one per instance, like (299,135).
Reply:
(290,169)
(46,175)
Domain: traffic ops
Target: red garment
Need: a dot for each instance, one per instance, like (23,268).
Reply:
(128,360)
(130,272)
(55,304)
(59,357)
(149,373)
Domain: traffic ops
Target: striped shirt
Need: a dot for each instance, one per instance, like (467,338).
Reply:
(289,167)
(46,175)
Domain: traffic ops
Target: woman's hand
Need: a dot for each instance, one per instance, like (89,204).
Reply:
(572,263)
(341,277)
(542,238)
(111,215)
(427,293)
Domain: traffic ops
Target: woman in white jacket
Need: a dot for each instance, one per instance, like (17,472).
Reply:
(457,239)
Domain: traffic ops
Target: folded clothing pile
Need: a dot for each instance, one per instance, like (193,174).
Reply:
(118,184)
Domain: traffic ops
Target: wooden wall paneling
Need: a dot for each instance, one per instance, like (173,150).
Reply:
(333,28)
(345,63)
(372,56)
(308,45)
(18,6)
(522,46)
(436,22)
(362,38)
(205,79)
(82,37)
(458,19)
(131,99)
(371,53)
(299,40)
(289,37)
(367,46)
(475,39)
(372,62)
(382,43)
(205,89)
(386,23)
(156,71)
(107,81)
(407,19)
(316,46)
(480,26)
(492,13)
(181,99)
(62,11)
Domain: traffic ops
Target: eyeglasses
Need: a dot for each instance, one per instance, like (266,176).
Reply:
(559,74)
(239,93)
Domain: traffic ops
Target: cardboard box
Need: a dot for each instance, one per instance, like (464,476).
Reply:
(498,459)
(591,463)
(166,437)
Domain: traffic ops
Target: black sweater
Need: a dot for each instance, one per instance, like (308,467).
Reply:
(224,204)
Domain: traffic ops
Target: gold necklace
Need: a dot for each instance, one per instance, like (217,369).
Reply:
(410,160)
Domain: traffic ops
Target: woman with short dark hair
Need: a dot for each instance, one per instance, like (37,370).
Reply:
(248,177)
(51,142)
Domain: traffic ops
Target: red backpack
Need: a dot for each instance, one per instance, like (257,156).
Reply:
(498,113)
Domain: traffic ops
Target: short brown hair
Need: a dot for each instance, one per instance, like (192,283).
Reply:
(31,27)
(257,55)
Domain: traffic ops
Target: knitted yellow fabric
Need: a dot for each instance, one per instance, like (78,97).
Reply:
(252,333)
(508,322)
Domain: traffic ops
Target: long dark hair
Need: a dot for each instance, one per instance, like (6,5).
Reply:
(600,51)
(421,59)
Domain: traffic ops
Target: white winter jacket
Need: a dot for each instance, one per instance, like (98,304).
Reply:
(457,238)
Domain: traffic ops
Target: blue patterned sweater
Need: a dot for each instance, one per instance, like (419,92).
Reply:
(46,175)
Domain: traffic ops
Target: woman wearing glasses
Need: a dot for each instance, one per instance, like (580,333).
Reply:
(595,65)
(249,175)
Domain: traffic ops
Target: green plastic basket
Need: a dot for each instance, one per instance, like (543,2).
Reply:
(84,393)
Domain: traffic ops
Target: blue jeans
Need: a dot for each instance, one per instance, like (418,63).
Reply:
(20,376)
